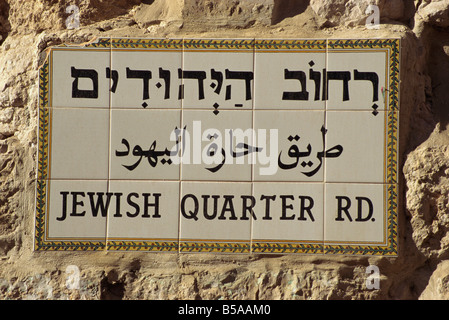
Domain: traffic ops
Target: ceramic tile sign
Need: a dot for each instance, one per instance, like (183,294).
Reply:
(219,145)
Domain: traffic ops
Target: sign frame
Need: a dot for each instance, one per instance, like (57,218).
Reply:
(389,245)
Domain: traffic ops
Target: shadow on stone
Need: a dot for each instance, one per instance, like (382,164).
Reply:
(287,8)
(5,27)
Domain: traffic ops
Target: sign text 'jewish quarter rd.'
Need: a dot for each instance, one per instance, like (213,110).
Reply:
(219,145)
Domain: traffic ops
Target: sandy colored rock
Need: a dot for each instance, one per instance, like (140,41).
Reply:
(434,12)
(438,286)
(234,13)
(354,12)
(159,11)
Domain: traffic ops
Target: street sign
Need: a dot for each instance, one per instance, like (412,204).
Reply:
(220,145)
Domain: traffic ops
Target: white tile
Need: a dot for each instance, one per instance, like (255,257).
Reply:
(357,79)
(78,77)
(206,132)
(79,143)
(218,72)
(292,155)
(76,211)
(289,78)
(141,144)
(355,214)
(144,210)
(213,216)
(288,212)
(362,138)
(147,78)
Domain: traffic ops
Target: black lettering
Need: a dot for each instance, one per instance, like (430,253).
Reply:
(199,75)
(369,76)
(147,204)
(132,204)
(341,208)
(248,208)
(217,76)
(298,95)
(305,208)
(267,206)
(285,207)
(76,203)
(99,205)
(64,206)
(165,74)
(145,75)
(228,206)
(344,76)
(192,214)
(84,73)
(205,207)
(118,197)
(360,201)
(248,76)
(114,76)
(316,77)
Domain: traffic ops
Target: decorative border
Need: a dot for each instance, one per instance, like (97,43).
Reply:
(132,245)
(42,159)
(274,44)
(219,44)
(211,246)
(286,248)
(392,128)
(393,45)
(130,43)
(391,149)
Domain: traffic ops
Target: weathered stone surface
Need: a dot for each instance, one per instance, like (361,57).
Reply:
(157,12)
(438,285)
(435,13)
(354,12)
(235,13)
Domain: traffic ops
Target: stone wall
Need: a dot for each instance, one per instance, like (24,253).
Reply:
(420,271)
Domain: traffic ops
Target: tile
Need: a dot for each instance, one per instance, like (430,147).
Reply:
(78,77)
(209,151)
(289,74)
(142,142)
(361,136)
(77,210)
(145,76)
(218,73)
(143,215)
(290,143)
(214,217)
(356,214)
(288,213)
(79,143)
(357,79)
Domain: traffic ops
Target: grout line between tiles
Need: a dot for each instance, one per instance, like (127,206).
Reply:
(182,151)
(251,231)
(109,145)
(225,181)
(325,87)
